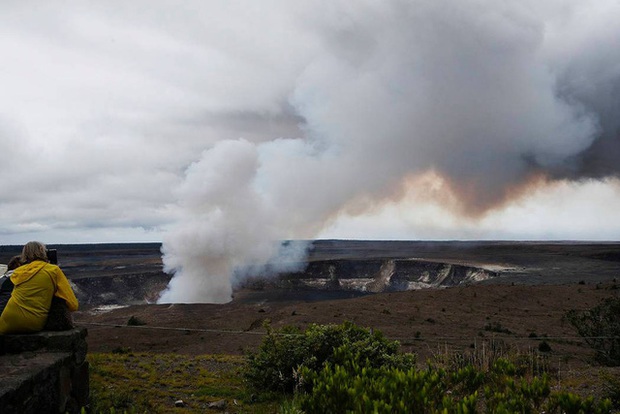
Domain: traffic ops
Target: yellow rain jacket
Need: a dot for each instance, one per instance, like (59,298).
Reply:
(35,285)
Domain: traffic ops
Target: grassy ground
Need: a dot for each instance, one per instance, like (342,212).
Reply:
(129,382)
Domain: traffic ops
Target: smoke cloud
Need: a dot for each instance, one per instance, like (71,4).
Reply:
(490,99)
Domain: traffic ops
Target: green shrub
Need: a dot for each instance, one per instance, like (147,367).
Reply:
(135,321)
(600,328)
(273,366)
(276,364)
(350,387)
(544,347)
(483,354)
(497,327)
(611,385)
(358,388)
(348,369)
(567,403)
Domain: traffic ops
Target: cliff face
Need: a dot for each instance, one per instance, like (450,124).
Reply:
(362,276)
(373,276)
(124,274)
(126,289)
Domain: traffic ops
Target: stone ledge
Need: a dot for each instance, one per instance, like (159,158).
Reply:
(44,372)
(71,341)
(21,371)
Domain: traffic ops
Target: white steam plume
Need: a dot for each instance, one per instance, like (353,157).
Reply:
(228,223)
(490,96)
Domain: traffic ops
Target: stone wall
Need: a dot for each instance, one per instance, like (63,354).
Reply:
(44,372)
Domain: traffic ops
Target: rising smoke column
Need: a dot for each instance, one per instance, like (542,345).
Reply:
(227,222)
(491,97)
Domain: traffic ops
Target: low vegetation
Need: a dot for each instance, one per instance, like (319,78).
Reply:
(127,382)
(336,368)
(276,365)
(350,387)
(344,368)
(600,328)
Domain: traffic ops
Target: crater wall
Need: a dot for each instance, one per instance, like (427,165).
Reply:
(372,276)
(132,273)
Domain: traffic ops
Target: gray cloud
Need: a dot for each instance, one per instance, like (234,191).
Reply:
(477,92)
(217,124)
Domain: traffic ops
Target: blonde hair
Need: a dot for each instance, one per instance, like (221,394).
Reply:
(32,251)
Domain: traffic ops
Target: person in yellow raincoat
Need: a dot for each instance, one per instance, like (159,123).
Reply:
(36,282)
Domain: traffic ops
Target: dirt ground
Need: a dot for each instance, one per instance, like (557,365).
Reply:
(430,323)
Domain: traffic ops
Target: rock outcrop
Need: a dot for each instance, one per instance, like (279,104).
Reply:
(373,275)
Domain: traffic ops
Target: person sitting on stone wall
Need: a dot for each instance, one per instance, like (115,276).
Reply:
(6,286)
(36,283)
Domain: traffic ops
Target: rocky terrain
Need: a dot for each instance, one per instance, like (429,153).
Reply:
(498,295)
(132,274)
(372,276)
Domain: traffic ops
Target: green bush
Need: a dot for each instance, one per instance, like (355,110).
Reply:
(276,364)
(135,321)
(544,347)
(600,328)
(350,387)
(567,403)
(497,327)
(348,369)
(611,385)
(358,388)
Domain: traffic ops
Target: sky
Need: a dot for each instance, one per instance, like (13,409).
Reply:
(221,127)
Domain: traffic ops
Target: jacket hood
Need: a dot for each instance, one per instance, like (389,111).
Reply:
(24,273)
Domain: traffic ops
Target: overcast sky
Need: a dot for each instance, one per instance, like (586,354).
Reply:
(232,122)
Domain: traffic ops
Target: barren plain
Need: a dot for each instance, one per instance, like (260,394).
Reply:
(525,303)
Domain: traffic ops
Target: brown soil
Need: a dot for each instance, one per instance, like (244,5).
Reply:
(427,322)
